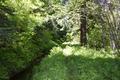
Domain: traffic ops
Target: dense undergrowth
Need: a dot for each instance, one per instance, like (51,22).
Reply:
(29,29)
(75,63)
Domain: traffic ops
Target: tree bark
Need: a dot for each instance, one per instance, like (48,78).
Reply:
(83,26)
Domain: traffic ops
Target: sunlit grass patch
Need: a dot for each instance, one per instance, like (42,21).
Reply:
(83,51)
(51,69)
(75,63)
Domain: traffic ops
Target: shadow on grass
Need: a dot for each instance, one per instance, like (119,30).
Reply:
(82,68)
(59,67)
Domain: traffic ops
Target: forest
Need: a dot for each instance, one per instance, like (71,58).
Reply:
(59,39)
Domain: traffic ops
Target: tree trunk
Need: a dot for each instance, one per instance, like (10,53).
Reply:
(83,26)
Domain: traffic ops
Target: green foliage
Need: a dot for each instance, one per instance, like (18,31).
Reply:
(82,64)
(95,37)
(16,46)
(30,28)
(21,40)
(55,68)
(43,39)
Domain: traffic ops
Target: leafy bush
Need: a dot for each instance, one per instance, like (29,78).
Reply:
(17,48)
(14,60)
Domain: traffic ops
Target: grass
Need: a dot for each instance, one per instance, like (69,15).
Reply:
(75,63)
